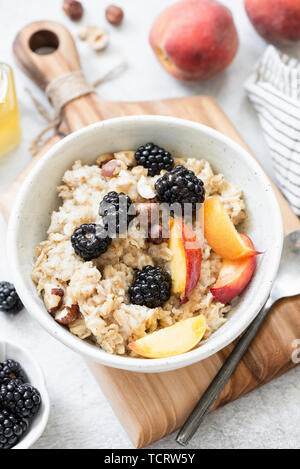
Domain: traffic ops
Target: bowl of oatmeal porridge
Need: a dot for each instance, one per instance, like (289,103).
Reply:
(139,295)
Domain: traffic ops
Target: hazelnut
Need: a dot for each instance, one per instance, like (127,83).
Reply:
(96,37)
(145,188)
(98,40)
(114,14)
(68,315)
(156,234)
(73,9)
(53,298)
(148,213)
(83,33)
(110,168)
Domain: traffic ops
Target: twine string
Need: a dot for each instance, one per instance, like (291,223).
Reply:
(61,91)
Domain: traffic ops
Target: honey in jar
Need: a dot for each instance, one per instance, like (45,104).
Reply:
(10,131)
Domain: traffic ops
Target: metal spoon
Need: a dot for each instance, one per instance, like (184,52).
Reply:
(287,283)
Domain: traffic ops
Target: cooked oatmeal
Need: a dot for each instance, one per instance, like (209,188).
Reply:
(99,287)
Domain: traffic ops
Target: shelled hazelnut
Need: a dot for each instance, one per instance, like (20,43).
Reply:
(97,38)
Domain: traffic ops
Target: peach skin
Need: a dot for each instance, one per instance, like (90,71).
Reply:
(234,275)
(171,341)
(277,21)
(221,233)
(186,259)
(194,39)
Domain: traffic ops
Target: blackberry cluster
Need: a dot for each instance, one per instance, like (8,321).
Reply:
(180,186)
(11,370)
(117,212)
(90,241)
(154,158)
(9,299)
(23,400)
(151,287)
(19,403)
(12,428)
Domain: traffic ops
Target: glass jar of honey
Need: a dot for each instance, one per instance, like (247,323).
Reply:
(10,130)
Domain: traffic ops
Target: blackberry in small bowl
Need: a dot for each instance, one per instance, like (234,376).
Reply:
(151,287)
(22,399)
(117,211)
(9,299)
(11,370)
(180,186)
(12,428)
(154,158)
(90,241)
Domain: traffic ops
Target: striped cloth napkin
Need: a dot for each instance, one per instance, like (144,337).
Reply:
(274,90)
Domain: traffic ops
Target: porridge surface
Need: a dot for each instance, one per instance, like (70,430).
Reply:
(99,287)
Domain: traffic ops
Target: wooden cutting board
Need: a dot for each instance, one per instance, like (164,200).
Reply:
(151,406)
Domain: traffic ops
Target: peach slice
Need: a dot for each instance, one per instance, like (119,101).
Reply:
(171,341)
(221,233)
(234,275)
(186,260)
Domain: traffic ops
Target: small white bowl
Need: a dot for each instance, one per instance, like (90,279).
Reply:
(38,198)
(36,378)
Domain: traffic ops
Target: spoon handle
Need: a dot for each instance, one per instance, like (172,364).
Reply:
(211,394)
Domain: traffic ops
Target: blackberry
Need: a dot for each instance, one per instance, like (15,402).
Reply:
(89,241)
(154,158)
(12,428)
(21,399)
(117,212)
(11,370)
(9,298)
(151,287)
(180,186)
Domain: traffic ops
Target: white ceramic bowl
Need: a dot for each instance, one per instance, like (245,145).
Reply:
(38,198)
(36,378)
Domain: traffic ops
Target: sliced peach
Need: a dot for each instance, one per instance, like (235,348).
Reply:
(234,275)
(171,341)
(186,259)
(221,233)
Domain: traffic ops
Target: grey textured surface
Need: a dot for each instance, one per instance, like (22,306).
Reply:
(80,415)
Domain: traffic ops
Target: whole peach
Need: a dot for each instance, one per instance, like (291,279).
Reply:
(194,39)
(278,21)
